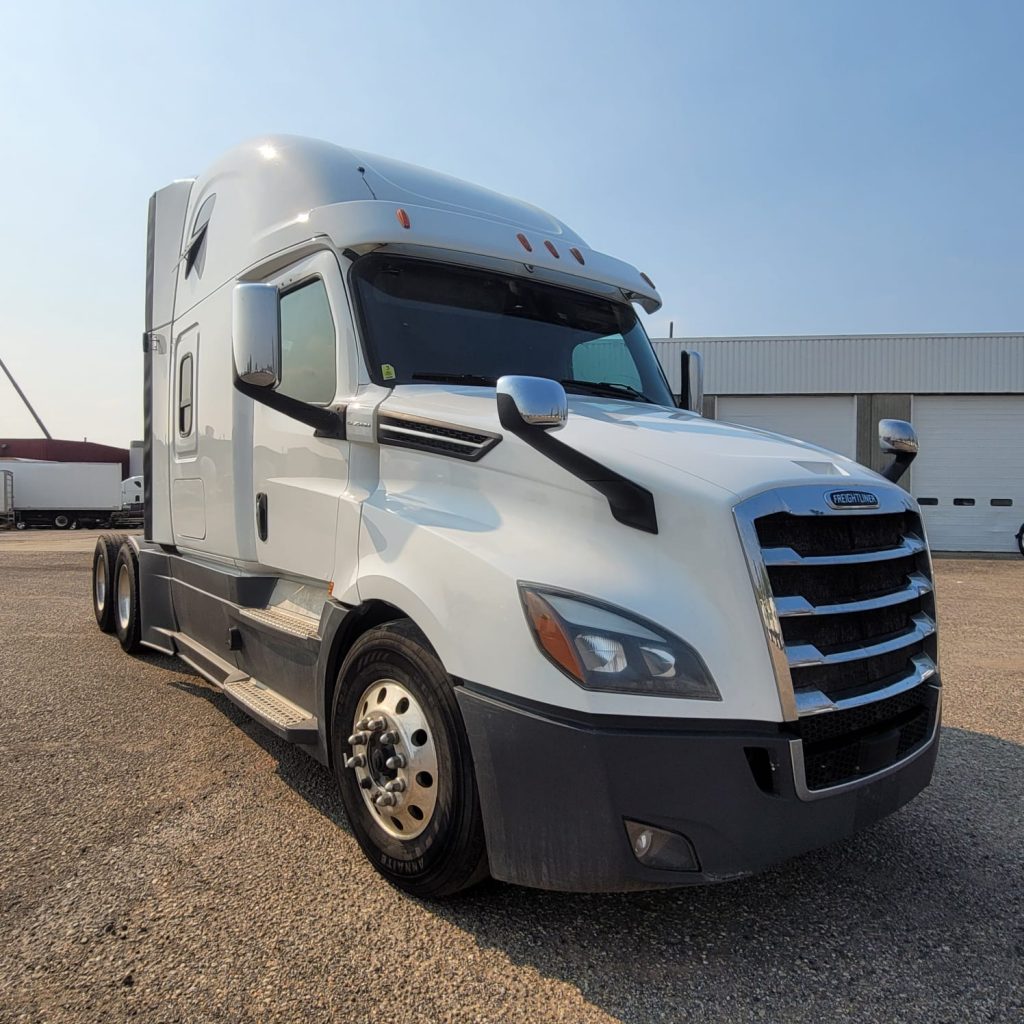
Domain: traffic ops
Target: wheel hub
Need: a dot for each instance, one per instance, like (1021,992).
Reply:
(394,759)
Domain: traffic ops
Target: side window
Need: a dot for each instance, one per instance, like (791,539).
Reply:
(309,350)
(185,396)
(606,359)
(195,251)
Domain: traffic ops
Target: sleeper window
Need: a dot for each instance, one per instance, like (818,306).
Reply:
(185,396)
(308,348)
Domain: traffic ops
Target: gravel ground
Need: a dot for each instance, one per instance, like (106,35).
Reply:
(162,858)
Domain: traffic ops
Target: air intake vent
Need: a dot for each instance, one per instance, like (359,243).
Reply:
(431,436)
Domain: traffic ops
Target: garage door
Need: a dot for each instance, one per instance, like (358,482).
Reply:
(826,420)
(969,476)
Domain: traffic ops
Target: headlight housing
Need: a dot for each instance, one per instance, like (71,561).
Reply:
(604,648)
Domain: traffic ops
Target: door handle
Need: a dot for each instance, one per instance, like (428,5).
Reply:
(261,515)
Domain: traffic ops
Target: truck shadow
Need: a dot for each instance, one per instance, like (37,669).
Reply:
(919,917)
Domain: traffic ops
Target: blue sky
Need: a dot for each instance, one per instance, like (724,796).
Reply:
(776,167)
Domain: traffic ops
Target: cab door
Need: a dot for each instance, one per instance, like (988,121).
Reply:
(299,480)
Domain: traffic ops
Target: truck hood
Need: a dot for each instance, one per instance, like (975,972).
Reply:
(652,444)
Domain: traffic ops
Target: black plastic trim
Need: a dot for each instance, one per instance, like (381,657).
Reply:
(627,723)
(630,503)
(326,422)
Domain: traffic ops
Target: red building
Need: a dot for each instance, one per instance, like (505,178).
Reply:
(62,451)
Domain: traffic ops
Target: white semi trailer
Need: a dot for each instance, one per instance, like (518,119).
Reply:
(419,501)
(65,495)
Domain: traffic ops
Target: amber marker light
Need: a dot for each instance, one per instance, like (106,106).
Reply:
(647,279)
(403,218)
(524,242)
(551,249)
(550,634)
(578,255)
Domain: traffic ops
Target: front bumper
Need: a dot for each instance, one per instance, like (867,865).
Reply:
(556,791)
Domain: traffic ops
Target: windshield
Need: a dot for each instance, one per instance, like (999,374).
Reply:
(425,321)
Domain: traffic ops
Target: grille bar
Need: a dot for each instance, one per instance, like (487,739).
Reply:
(800,655)
(814,702)
(917,586)
(912,545)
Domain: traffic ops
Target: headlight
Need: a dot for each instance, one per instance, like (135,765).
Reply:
(605,648)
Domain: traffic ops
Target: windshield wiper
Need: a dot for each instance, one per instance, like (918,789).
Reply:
(458,378)
(608,387)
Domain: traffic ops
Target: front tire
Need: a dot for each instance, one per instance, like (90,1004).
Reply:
(407,778)
(127,623)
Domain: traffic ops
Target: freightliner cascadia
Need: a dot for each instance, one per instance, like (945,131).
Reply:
(420,501)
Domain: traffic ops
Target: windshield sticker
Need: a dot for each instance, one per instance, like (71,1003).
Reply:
(387,371)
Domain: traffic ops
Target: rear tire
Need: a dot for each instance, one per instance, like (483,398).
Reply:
(61,521)
(103,559)
(447,854)
(127,623)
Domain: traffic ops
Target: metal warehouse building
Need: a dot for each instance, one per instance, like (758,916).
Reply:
(964,393)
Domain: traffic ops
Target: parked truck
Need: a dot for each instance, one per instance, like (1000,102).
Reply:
(419,500)
(64,495)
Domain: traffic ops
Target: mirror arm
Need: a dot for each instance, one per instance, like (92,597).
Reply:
(898,466)
(630,503)
(326,422)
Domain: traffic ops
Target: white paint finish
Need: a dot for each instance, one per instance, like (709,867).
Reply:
(189,502)
(827,421)
(305,477)
(279,191)
(853,364)
(168,214)
(971,447)
(65,485)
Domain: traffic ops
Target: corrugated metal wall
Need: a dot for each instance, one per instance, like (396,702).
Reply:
(851,364)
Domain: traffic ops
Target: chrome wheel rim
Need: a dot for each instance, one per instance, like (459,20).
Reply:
(124,596)
(99,578)
(394,758)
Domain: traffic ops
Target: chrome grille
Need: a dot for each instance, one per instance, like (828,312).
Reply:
(848,608)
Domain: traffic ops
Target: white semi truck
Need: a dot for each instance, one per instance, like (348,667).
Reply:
(64,495)
(419,500)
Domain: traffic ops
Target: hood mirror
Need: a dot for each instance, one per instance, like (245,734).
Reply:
(897,437)
(531,402)
(256,335)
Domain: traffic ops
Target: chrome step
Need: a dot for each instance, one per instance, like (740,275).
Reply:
(284,621)
(270,709)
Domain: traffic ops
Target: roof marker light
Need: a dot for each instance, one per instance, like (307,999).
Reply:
(403,218)
(647,279)
(524,242)
(578,255)
(551,249)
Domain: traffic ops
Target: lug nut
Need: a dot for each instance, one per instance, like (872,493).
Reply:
(355,761)
(374,724)
(395,761)
(386,800)
(389,738)
(395,786)
(358,739)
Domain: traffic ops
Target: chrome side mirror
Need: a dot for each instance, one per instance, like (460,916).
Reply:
(256,335)
(692,382)
(897,437)
(537,402)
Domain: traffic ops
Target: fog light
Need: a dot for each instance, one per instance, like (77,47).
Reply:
(659,848)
